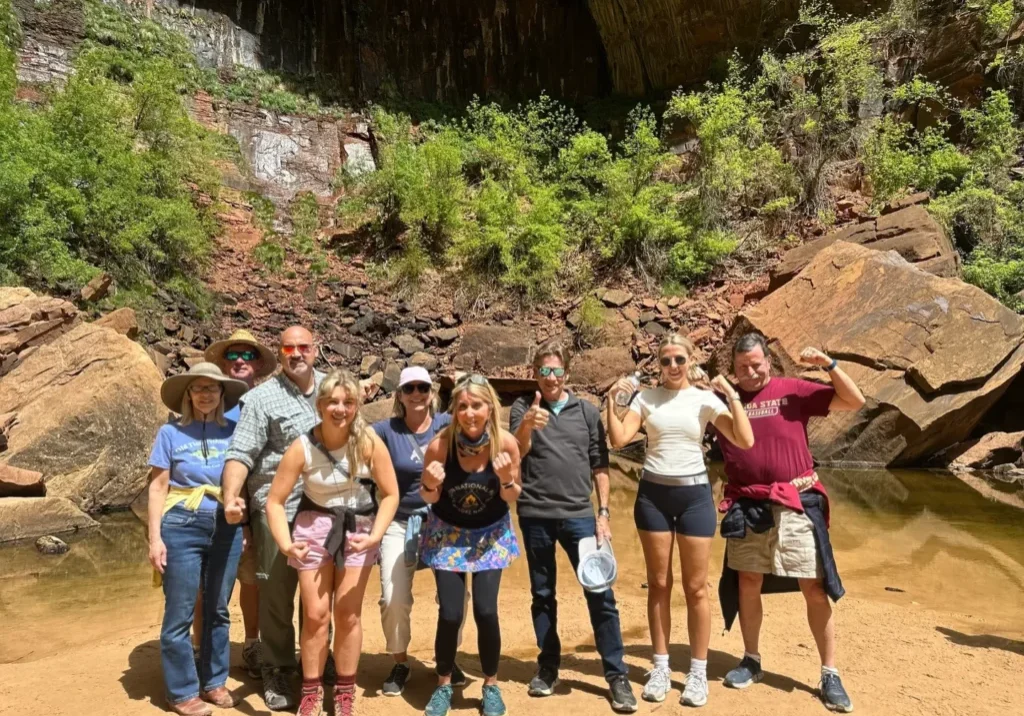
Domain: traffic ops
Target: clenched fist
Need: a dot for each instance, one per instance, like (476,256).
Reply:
(433,476)
(721,384)
(298,550)
(504,467)
(235,511)
(812,356)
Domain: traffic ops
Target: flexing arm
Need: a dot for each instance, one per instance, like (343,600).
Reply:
(734,427)
(621,430)
(848,397)
(433,468)
(506,466)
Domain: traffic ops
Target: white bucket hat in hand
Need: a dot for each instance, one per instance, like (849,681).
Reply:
(597,570)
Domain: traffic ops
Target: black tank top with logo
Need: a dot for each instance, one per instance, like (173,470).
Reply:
(470,499)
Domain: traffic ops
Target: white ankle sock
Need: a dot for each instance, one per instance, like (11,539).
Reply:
(661,661)
(699,666)
(829,670)
(755,657)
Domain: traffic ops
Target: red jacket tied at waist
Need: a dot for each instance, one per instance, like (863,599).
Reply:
(782,493)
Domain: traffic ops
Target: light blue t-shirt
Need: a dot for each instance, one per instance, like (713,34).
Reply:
(194,454)
(557,406)
(408,465)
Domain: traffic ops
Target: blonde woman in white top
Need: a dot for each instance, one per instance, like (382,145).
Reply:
(336,537)
(674,503)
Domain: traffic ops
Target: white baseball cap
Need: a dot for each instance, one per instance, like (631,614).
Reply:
(597,570)
(414,374)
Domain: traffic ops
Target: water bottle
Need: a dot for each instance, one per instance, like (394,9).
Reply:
(623,397)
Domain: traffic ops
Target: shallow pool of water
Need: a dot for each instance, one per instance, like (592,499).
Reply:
(920,539)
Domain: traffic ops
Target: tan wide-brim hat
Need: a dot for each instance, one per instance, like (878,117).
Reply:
(215,353)
(173,389)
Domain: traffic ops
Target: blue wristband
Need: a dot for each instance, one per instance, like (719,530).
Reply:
(832,366)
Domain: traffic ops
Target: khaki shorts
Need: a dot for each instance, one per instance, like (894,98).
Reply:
(247,566)
(786,550)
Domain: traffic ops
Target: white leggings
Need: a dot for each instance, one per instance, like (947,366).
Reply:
(396,590)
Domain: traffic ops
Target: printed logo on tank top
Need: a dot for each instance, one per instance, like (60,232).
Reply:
(765,408)
(471,498)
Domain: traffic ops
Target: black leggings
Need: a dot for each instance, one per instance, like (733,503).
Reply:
(451,593)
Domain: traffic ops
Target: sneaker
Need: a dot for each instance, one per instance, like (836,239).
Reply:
(278,693)
(252,658)
(622,697)
(330,671)
(696,691)
(544,682)
(312,704)
(491,704)
(395,683)
(659,682)
(833,695)
(440,701)
(746,673)
(345,702)
(457,677)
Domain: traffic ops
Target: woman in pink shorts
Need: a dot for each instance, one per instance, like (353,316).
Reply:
(336,536)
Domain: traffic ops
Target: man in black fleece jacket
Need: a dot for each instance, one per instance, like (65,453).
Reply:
(564,454)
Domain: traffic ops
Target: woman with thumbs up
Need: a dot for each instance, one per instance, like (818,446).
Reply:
(470,477)
(565,457)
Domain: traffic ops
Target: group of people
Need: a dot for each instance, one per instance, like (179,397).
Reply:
(285,487)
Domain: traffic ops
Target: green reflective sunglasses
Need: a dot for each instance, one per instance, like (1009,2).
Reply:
(546,370)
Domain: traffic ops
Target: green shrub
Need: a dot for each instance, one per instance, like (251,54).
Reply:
(270,253)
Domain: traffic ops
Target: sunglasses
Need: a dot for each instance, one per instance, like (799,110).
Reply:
(673,360)
(303,348)
(545,371)
(248,355)
(474,378)
(204,389)
(410,388)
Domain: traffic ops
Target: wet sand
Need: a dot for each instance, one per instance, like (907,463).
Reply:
(79,633)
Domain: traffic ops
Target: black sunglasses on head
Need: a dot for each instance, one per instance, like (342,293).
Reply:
(410,388)
(474,378)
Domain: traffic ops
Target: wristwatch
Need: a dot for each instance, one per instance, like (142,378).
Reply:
(603,512)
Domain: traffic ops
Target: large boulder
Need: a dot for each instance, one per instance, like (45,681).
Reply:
(27,321)
(88,408)
(930,354)
(30,517)
(910,231)
(597,367)
(488,348)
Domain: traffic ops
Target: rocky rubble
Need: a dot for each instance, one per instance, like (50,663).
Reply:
(27,321)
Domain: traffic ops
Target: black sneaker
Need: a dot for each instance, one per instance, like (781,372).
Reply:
(395,683)
(833,695)
(458,678)
(622,697)
(746,673)
(544,682)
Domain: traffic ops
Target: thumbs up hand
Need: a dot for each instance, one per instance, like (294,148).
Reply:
(536,417)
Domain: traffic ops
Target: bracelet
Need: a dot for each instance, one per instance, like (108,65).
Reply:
(603,512)
(508,485)
(832,366)
(737,398)
(427,489)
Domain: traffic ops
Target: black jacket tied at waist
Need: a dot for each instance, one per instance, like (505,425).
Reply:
(344,522)
(756,515)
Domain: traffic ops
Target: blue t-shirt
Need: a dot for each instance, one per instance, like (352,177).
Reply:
(234,414)
(193,453)
(408,464)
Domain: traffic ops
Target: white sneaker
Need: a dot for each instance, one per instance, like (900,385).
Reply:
(696,691)
(659,683)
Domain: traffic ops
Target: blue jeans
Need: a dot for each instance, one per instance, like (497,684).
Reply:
(202,551)
(540,536)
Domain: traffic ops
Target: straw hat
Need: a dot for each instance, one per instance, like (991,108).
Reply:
(215,353)
(173,389)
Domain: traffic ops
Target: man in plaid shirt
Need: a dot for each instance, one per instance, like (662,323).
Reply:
(273,416)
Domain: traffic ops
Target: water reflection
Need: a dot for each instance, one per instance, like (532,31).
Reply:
(918,539)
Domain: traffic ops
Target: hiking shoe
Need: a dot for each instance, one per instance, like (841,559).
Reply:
(544,682)
(278,693)
(330,671)
(395,683)
(252,658)
(746,673)
(457,677)
(219,697)
(659,683)
(440,701)
(491,704)
(345,702)
(696,691)
(191,707)
(312,704)
(622,697)
(833,695)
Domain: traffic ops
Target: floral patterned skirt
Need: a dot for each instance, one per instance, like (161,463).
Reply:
(461,549)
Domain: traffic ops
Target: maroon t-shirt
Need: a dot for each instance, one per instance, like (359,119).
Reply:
(778,414)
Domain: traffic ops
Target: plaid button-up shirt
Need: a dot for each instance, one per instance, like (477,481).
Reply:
(273,416)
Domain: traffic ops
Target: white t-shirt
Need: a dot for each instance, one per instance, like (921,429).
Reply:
(328,483)
(676,420)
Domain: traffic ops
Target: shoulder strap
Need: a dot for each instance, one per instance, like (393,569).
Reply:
(415,446)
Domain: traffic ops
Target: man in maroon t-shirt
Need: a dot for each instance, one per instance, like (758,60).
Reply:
(776,470)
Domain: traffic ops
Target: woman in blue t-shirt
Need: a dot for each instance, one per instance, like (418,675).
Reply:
(190,542)
(470,478)
(407,434)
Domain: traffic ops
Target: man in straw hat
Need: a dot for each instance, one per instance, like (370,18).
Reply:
(242,357)
(273,416)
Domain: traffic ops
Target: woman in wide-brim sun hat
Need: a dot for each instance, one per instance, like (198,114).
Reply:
(190,542)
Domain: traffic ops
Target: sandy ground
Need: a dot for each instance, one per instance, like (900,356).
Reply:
(895,659)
